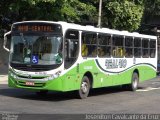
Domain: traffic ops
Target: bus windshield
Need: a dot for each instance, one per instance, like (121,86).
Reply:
(36,49)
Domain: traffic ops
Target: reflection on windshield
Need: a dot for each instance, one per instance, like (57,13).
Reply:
(42,50)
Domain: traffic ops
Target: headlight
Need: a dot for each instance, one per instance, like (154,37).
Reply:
(13,75)
(54,76)
(48,78)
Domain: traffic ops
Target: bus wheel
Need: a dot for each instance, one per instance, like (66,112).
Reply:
(84,88)
(42,92)
(135,81)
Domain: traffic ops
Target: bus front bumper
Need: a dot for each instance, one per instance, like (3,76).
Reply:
(55,84)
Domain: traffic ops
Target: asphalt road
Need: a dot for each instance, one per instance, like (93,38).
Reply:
(111,100)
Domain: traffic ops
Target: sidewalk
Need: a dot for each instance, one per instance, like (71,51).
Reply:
(3,79)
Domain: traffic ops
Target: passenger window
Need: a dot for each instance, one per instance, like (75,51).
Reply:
(145,48)
(104,45)
(128,47)
(137,47)
(118,50)
(152,48)
(89,44)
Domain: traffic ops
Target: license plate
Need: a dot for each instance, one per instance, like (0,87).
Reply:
(30,83)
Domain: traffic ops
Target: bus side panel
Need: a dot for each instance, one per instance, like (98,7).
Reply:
(73,78)
(71,81)
(113,79)
(90,67)
(146,73)
(117,78)
(105,80)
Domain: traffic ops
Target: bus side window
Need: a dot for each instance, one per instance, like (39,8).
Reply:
(128,51)
(118,52)
(117,43)
(137,47)
(89,44)
(84,50)
(145,48)
(104,45)
(152,48)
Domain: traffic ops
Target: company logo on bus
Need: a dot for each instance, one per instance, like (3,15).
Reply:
(115,63)
(29,76)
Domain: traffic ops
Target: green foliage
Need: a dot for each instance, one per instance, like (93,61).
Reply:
(123,14)
(152,7)
(52,10)
(117,14)
(152,11)
(76,11)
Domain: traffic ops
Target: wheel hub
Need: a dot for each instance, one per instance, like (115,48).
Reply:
(135,83)
(84,87)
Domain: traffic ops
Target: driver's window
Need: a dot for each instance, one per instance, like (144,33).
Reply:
(71,47)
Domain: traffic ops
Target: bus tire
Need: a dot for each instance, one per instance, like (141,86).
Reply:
(42,92)
(84,88)
(134,82)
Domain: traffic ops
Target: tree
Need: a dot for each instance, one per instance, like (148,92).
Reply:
(123,14)
(78,11)
(53,10)
(152,9)
(116,14)
(151,16)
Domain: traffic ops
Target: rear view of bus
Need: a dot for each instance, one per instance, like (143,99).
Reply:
(35,54)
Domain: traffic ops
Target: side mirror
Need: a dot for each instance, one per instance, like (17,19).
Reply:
(7,41)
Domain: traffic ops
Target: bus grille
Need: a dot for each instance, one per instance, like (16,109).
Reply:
(31,77)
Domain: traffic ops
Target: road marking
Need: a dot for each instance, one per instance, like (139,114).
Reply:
(147,89)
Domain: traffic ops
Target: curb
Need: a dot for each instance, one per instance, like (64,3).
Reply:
(3,79)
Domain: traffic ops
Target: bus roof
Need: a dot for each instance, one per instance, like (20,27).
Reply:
(66,26)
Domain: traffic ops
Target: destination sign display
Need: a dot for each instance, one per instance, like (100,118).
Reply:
(36,27)
(43,28)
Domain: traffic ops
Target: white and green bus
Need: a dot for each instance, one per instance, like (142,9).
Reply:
(59,56)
